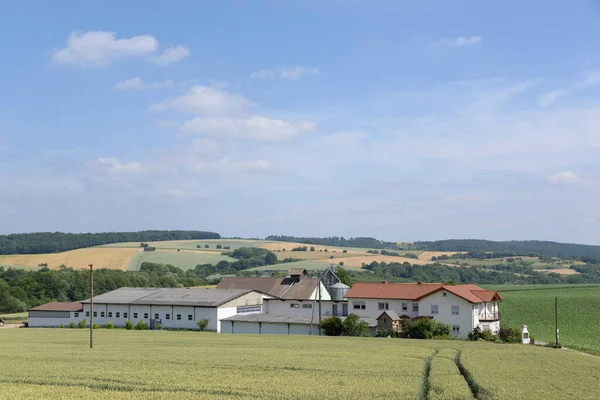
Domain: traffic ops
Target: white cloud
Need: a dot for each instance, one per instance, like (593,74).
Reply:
(564,178)
(548,98)
(137,83)
(225,165)
(205,100)
(113,166)
(461,41)
(172,55)
(99,49)
(180,193)
(256,127)
(293,73)
(588,78)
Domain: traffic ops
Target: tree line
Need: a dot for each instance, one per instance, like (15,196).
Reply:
(367,242)
(54,242)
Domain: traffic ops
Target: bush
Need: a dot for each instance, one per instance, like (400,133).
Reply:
(72,325)
(353,326)
(129,325)
(81,324)
(531,339)
(109,325)
(219,246)
(332,326)
(345,251)
(386,332)
(61,326)
(206,246)
(509,335)
(141,326)
(341,263)
(424,328)
(202,324)
(95,326)
(330,257)
(312,248)
(478,335)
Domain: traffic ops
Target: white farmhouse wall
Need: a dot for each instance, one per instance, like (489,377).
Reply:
(464,319)
(372,307)
(267,328)
(284,307)
(53,322)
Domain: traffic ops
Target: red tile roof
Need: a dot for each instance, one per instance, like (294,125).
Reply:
(58,306)
(417,291)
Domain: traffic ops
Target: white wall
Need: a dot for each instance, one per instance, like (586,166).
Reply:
(42,322)
(283,307)
(372,307)
(464,319)
(324,293)
(267,328)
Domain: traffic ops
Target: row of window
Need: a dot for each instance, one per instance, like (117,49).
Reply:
(190,317)
(304,305)
(435,309)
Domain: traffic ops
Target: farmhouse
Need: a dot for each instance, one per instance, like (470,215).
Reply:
(463,307)
(53,315)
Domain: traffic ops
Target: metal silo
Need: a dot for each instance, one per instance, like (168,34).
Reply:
(338,291)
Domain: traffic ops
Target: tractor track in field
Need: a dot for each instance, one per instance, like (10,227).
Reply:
(479,392)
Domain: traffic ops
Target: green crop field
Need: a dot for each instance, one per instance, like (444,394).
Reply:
(182,259)
(192,244)
(56,363)
(15,318)
(578,313)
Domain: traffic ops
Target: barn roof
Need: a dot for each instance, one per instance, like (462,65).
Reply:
(282,288)
(199,297)
(391,314)
(58,306)
(418,291)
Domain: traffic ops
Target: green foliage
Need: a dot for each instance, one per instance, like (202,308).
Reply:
(109,325)
(61,326)
(344,251)
(54,242)
(141,326)
(336,241)
(72,325)
(332,326)
(343,276)
(480,335)
(206,246)
(300,248)
(372,251)
(219,246)
(353,326)
(424,328)
(341,263)
(129,325)
(312,248)
(202,324)
(96,326)
(81,324)
(509,335)
(383,333)
(149,248)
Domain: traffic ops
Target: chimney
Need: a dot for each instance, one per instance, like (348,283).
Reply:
(418,283)
(383,282)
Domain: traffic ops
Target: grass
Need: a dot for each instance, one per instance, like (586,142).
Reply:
(182,259)
(115,258)
(16,318)
(57,363)
(578,313)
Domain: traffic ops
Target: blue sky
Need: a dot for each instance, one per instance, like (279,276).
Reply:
(402,120)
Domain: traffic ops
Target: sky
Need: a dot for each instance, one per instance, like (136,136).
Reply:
(398,119)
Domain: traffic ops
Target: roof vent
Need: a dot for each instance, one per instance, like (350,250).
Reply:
(419,283)
(383,281)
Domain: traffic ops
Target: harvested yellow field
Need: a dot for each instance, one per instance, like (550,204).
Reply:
(368,259)
(101,257)
(312,255)
(427,255)
(274,246)
(561,271)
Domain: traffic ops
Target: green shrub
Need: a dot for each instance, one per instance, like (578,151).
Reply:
(386,332)
(478,335)
(129,325)
(424,328)
(332,326)
(81,324)
(509,335)
(61,326)
(353,326)
(109,325)
(202,324)
(531,339)
(141,326)
(96,326)
(72,325)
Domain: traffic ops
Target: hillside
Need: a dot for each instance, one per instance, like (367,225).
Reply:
(269,367)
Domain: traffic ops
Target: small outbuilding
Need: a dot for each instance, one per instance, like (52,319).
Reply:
(389,320)
(52,315)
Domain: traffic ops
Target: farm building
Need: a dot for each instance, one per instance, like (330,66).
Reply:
(54,314)
(179,308)
(462,307)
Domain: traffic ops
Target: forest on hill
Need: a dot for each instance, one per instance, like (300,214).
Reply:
(56,242)
(364,242)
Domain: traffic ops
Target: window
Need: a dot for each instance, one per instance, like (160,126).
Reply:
(95,313)
(455,329)
(102,314)
(190,317)
(444,294)
(360,305)
(306,305)
(110,314)
(435,309)
(135,315)
(294,305)
(178,317)
(118,315)
(167,316)
(76,314)
(124,315)
(404,306)
(415,307)
(156,316)
(384,320)
(87,313)
(455,310)
(145,315)
(384,306)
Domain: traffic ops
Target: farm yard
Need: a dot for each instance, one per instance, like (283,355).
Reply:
(533,305)
(57,363)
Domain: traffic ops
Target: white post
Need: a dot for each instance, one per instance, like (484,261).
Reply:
(525,335)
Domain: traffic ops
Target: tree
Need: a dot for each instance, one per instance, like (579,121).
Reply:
(353,326)
(206,246)
(341,263)
(202,324)
(424,328)
(219,246)
(345,251)
(332,326)
(343,276)
(312,248)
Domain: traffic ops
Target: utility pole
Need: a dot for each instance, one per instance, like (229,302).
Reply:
(91,306)
(557,345)
(319,305)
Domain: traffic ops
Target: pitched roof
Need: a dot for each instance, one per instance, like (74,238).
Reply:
(283,288)
(391,314)
(58,306)
(199,297)
(417,291)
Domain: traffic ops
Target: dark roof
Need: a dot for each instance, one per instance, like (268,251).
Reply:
(282,288)
(298,271)
(58,306)
(417,291)
(285,319)
(200,297)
